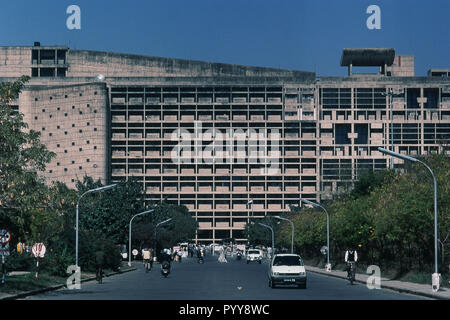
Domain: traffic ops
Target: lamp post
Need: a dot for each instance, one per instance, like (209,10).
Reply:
(292,227)
(129,236)
(162,222)
(391,94)
(435,276)
(76,218)
(273,237)
(314,204)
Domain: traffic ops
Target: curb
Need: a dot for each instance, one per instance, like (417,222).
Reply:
(60,286)
(402,290)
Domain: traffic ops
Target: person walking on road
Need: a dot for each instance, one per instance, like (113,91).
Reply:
(180,255)
(222,258)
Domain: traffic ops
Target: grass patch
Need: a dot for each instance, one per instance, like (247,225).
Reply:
(27,282)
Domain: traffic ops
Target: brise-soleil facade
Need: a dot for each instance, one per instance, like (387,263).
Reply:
(229,142)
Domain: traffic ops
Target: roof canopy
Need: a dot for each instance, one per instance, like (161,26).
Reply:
(367,57)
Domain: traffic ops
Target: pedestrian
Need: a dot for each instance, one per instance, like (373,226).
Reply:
(180,255)
(222,258)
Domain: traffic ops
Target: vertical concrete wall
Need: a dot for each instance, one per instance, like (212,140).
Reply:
(73,122)
(15,61)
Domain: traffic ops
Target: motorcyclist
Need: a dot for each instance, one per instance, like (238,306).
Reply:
(350,256)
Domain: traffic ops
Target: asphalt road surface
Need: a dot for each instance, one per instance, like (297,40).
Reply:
(212,280)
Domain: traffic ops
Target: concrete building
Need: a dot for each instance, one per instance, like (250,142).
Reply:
(112,116)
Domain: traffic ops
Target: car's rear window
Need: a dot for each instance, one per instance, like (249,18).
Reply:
(253,252)
(288,261)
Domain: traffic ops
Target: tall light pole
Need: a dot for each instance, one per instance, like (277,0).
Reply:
(314,204)
(162,222)
(292,227)
(435,276)
(76,218)
(273,236)
(129,236)
(391,94)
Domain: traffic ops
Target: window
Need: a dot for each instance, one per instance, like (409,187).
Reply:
(432,95)
(35,118)
(58,108)
(58,127)
(57,163)
(73,143)
(58,145)
(73,125)
(95,129)
(50,134)
(81,149)
(412,95)
(73,162)
(43,110)
(65,114)
(341,133)
(87,160)
(95,147)
(65,132)
(43,128)
(88,123)
(65,96)
(362,130)
(65,169)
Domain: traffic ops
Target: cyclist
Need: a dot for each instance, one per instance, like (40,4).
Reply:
(146,259)
(350,256)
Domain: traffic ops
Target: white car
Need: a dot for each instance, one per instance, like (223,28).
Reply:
(287,269)
(254,255)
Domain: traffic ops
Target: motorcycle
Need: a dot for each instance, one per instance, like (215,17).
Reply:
(165,268)
(239,256)
(351,272)
(200,260)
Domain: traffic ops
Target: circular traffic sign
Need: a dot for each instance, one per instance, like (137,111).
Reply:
(324,250)
(5,236)
(38,250)
(135,252)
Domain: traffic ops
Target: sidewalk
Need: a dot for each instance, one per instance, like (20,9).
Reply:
(401,286)
(6,296)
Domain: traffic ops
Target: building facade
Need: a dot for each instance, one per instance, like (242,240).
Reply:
(229,142)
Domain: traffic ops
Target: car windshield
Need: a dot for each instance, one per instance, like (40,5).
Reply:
(253,252)
(288,261)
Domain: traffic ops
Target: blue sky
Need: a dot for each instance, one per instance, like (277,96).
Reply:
(296,34)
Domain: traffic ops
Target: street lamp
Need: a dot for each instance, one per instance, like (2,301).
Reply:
(162,222)
(314,204)
(271,229)
(76,223)
(129,236)
(435,276)
(391,94)
(292,226)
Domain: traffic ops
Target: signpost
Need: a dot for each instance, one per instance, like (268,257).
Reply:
(135,253)
(38,251)
(5,238)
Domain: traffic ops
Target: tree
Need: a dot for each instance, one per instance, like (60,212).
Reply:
(22,156)
(110,211)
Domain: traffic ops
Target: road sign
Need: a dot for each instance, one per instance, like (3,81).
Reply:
(5,236)
(4,249)
(135,252)
(324,250)
(38,250)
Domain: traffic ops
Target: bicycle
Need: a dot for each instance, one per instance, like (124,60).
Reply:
(99,275)
(351,271)
(147,266)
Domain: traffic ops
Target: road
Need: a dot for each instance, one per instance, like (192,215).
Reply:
(234,280)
